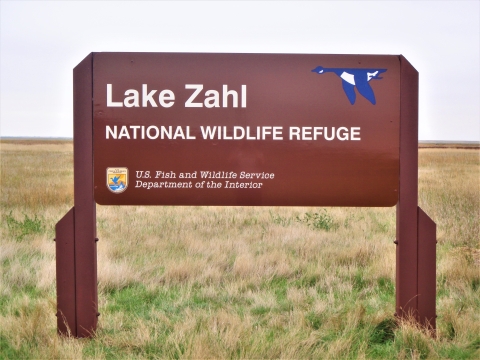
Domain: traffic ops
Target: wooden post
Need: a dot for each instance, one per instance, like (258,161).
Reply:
(76,232)
(416,259)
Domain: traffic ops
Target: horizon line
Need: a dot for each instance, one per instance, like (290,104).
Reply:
(46,138)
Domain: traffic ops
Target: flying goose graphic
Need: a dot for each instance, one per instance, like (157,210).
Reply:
(352,78)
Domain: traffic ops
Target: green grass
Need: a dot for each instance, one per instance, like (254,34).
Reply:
(237,282)
(21,228)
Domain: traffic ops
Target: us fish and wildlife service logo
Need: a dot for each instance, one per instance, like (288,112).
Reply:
(117,179)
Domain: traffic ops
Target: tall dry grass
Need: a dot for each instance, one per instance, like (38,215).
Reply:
(237,282)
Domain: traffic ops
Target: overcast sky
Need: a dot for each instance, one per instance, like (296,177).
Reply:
(42,41)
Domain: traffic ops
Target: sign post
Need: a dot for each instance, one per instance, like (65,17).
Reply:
(76,249)
(244,129)
(416,232)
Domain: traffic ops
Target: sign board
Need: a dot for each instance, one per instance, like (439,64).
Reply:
(243,129)
(246,129)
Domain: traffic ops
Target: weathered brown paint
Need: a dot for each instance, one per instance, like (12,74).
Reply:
(407,247)
(85,216)
(65,268)
(281,91)
(427,279)
(77,305)
(416,232)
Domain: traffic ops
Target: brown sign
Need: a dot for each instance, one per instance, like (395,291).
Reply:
(251,129)
(246,129)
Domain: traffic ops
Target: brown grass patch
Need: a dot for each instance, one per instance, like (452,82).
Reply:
(237,282)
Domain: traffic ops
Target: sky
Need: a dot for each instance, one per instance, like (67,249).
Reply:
(42,41)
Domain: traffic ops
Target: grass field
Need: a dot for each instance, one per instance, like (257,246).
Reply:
(237,282)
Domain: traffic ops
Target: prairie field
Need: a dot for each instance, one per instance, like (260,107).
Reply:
(237,282)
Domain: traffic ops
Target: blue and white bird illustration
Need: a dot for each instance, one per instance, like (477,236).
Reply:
(352,78)
(115,179)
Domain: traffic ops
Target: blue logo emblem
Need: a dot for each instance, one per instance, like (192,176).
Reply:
(355,78)
(117,179)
